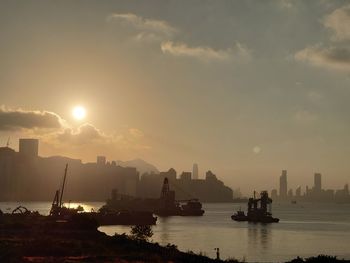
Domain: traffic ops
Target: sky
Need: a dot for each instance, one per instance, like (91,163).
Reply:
(243,88)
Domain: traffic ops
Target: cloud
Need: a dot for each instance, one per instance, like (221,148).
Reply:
(85,134)
(339,23)
(54,131)
(337,55)
(23,119)
(136,133)
(144,24)
(88,134)
(333,57)
(203,52)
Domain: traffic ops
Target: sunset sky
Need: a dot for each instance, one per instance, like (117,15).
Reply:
(244,88)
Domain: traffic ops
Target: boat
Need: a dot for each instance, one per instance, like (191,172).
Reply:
(103,217)
(239,216)
(256,213)
(192,208)
(164,206)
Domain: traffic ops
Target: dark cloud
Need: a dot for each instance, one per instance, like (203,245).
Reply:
(21,119)
(331,57)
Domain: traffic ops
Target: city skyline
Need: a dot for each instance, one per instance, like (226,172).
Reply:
(245,88)
(30,147)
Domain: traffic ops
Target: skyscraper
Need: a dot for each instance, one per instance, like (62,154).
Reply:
(29,147)
(317,182)
(195,171)
(283,184)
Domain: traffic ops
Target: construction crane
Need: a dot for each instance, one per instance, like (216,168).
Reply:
(57,204)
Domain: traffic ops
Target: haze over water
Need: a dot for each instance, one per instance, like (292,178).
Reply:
(304,230)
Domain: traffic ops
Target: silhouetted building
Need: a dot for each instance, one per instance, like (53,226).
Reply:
(186,176)
(195,171)
(29,147)
(283,185)
(170,174)
(26,177)
(316,194)
(209,190)
(101,160)
(317,182)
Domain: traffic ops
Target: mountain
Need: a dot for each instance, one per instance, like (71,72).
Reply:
(141,165)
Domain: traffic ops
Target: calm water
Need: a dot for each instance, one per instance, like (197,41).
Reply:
(304,230)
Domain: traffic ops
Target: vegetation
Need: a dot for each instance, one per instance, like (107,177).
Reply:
(140,232)
(51,243)
(318,259)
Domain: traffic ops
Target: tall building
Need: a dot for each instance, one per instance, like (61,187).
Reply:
(298,191)
(195,171)
(101,160)
(29,147)
(318,182)
(283,184)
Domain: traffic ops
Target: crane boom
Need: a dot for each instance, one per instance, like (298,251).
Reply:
(63,184)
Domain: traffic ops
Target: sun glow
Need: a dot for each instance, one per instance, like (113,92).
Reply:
(79,112)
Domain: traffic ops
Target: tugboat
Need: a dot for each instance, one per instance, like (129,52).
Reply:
(192,208)
(255,213)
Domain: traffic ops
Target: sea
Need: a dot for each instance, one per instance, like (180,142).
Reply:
(305,230)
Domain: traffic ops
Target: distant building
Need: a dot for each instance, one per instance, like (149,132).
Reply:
(283,184)
(317,182)
(170,174)
(195,171)
(298,192)
(101,160)
(29,147)
(186,176)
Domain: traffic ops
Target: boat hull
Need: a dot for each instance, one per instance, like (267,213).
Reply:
(266,219)
(129,218)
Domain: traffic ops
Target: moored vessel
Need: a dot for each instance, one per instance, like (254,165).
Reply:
(164,206)
(259,210)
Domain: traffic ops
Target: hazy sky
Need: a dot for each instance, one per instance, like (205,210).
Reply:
(244,88)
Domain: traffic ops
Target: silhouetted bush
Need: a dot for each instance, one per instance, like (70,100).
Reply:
(143,233)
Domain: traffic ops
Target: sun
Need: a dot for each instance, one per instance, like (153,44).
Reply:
(79,112)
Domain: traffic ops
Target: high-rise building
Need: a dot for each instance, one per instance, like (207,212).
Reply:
(101,160)
(195,171)
(298,191)
(317,182)
(283,184)
(29,147)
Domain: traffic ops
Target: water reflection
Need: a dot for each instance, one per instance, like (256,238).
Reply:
(164,230)
(259,237)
